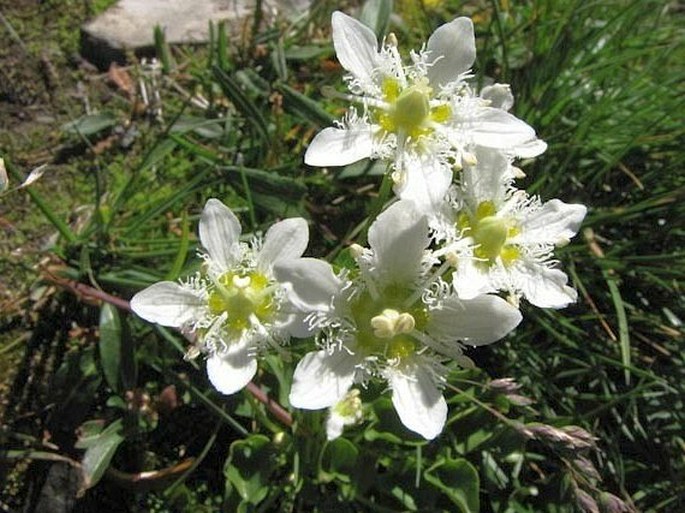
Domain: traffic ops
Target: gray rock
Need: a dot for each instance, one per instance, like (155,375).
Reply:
(129,25)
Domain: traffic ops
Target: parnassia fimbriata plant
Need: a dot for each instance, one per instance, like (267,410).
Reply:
(447,262)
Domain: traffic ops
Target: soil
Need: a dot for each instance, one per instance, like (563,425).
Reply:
(44,84)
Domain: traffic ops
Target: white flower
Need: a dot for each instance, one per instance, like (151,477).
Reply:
(501,239)
(425,110)
(394,318)
(236,306)
(346,412)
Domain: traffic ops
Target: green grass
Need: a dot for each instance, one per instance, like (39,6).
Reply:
(601,82)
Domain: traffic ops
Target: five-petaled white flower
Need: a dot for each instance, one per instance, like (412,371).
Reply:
(394,318)
(235,307)
(425,111)
(501,239)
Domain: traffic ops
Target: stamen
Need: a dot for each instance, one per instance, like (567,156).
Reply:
(426,285)
(391,323)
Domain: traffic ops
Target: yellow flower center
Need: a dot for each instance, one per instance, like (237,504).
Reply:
(491,234)
(410,111)
(241,296)
(384,327)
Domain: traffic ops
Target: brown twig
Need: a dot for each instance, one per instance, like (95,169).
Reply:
(85,291)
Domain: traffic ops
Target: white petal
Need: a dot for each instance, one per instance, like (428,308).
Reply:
(496,128)
(544,287)
(295,324)
(398,238)
(469,281)
(310,283)
(529,149)
(417,400)
(322,379)
(220,233)
(168,304)
(355,46)
(488,180)
(334,426)
(230,372)
(477,321)
(555,223)
(452,50)
(285,240)
(426,186)
(499,96)
(339,146)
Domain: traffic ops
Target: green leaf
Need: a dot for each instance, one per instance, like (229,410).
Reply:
(339,459)
(364,167)
(270,181)
(243,104)
(376,15)
(278,60)
(182,253)
(249,467)
(129,365)
(305,53)
(207,128)
(99,453)
(90,124)
(388,425)
(110,345)
(299,105)
(458,480)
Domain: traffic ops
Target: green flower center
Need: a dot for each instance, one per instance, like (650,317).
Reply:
(491,234)
(242,296)
(410,110)
(384,326)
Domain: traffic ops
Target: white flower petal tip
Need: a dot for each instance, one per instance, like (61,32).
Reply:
(555,223)
(499,96)
(355,46)
(231,372)
(496,128)
(530,149)
(285,240)
(398,238)
(547,288)
(168,304)
(322,379)
(417,400)
(452,51)
(310,282)
(220,233)
(478,321)
(339,147)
